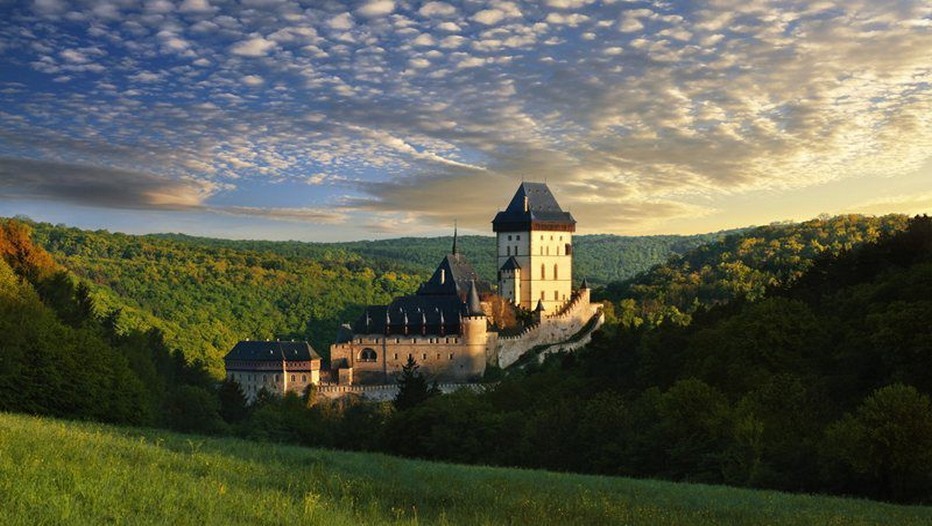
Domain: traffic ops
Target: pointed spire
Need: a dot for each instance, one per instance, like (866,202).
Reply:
(454,237)
(540,306)
(473,306)
(585,283)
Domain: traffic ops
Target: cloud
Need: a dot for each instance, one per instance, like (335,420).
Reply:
(50,7)
(343,21)
(99,186)
(437,9)
(912,204)
(501,11)
(568,4)
(300,215)
(195,6)
(257,46)
(374,8)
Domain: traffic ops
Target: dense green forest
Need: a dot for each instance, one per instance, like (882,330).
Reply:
(739,265)
(207,294)
(61,356)
(600,258)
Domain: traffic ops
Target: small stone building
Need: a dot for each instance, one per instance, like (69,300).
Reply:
(276,366)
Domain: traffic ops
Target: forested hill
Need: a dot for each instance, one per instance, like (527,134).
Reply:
(206,294)
(741,265)
(600,258)
(205,298)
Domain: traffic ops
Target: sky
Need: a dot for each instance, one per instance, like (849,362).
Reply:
(317,120)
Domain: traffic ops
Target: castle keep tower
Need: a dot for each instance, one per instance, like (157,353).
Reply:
(535,249)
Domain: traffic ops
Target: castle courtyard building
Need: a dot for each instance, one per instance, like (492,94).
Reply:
(278,367)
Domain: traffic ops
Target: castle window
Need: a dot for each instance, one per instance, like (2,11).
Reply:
(438,355)
(555,271)
(548,250)
(397,340)
(368,355)
(509,238)
(292,378)
(508,250)
(551,238)
(410,356)
(276,378)
(543,271)
(542,295)
(396,356)
(424,356)
(517,238)
(414,340)
(556,296)
(451,356)
(304,378)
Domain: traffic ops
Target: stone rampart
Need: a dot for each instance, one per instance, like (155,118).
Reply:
(568,321)
(384,392)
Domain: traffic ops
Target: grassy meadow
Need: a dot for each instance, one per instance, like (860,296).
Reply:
(55,472)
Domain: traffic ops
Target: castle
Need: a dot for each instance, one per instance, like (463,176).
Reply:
(445,326)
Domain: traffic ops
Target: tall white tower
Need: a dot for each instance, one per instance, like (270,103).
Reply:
(535,249)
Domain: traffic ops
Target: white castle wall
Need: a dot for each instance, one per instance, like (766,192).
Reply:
(555,328)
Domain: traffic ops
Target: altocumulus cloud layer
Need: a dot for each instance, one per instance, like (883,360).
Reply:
(392,114)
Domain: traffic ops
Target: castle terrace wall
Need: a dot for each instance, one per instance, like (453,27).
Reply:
(383,392)
(560,327)
(450,358)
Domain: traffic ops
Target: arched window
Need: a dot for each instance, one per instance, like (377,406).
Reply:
(543,272)
(292,378)
(555,274)
(368,355)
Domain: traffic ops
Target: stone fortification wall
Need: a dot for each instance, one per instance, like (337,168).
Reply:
(381,393)
(556,328)
(378,359)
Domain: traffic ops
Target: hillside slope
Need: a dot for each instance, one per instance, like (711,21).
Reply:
(741,265)
(207,294)
(55,472)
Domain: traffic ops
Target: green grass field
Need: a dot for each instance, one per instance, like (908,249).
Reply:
(55,472)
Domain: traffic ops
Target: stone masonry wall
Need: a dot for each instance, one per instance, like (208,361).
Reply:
(552,329)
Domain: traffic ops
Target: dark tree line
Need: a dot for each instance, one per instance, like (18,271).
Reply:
(59,356)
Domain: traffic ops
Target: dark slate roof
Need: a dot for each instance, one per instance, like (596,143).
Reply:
(541,210)
(452,276)
(511,264)
(273,351)
(344,333)
(413,315)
